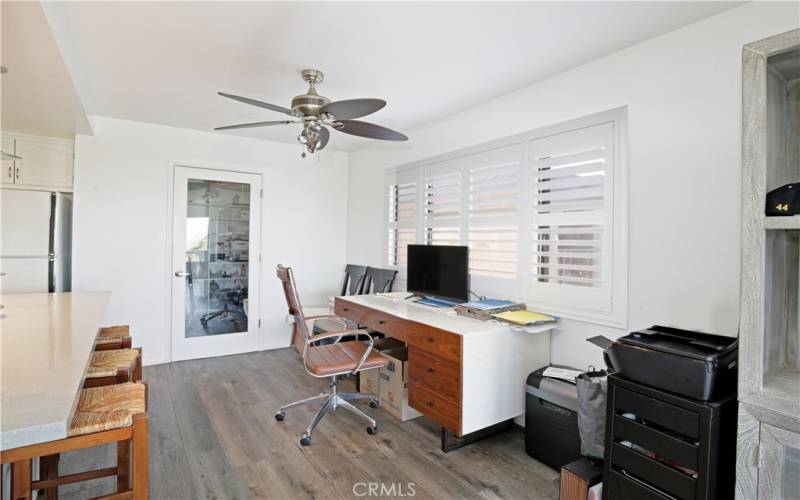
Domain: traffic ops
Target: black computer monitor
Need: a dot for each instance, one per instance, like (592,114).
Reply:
(440,271)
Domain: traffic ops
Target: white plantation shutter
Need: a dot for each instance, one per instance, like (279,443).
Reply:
(443,203)
(572,215)
(544,214)
(402,212)
(494,213)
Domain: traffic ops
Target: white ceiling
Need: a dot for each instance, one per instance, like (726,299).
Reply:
(163,62)
(38,96)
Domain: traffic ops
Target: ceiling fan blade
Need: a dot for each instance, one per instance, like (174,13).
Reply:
(352,108)
(324,136)
(368,130)
(253,102)
(256,124)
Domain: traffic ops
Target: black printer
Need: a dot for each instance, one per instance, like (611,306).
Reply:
(698,365)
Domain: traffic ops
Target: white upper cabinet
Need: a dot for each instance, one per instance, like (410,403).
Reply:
(7,166)
(46,163)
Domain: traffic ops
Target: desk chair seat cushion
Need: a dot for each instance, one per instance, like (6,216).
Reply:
(109,407)
(114,331)
(107,363)
(343,357)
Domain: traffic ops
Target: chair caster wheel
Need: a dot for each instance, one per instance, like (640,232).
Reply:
(305,440)
(374,403)
(280,416)
(372,430)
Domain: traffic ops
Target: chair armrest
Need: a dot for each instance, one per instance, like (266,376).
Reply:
(340,333)
(323,316)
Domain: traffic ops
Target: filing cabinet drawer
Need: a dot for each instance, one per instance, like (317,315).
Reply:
(445,413)
(435,374)
(435,342)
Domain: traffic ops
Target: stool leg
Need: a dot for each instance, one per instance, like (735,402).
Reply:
(48,469)
(140,480)
(137,370)
(21,480)
(123,466)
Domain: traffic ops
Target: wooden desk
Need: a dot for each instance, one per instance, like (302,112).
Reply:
(467,375)
(46,340)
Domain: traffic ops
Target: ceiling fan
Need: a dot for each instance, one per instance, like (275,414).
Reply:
(316,113)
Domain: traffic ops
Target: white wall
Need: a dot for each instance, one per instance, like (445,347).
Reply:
(121,226)
(683,95)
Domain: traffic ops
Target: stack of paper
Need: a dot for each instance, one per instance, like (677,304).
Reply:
(525,318)
(488,304)
(568,374)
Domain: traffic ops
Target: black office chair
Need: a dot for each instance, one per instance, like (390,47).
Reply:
(354,276)
(379,280)
(353,284)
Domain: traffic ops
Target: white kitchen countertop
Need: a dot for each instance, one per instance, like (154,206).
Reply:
(46,340)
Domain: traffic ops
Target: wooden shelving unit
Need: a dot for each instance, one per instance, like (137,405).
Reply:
(782,222)
(769,339)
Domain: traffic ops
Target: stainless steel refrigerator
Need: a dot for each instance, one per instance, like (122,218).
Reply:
(35,241)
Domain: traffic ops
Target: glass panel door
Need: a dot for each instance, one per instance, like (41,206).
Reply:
(215,255)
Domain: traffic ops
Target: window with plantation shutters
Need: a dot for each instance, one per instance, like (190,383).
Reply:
(402,218)
(544,215)
(494,212)
(571,191)
(443,204)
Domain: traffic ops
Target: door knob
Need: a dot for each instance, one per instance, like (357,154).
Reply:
(181,274)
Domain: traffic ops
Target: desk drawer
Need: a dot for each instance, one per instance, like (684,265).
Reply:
(374,319)
(445,413)
(435,374)
(350,311)
(435,342)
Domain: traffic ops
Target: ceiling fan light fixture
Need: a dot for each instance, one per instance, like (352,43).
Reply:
(318,112)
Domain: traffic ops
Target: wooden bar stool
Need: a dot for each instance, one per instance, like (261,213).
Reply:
(104,415)
(114,367)
(113,337)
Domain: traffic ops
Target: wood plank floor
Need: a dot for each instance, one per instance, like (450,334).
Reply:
(213,435)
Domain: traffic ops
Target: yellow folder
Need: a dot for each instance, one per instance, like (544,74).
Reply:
(524,317)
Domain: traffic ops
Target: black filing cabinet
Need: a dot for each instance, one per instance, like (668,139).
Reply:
(660,445)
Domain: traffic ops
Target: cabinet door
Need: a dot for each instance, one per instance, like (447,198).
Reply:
(7,166)
(44,162)
(779,475)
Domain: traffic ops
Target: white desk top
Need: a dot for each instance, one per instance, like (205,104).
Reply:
(442,318)
(46,340)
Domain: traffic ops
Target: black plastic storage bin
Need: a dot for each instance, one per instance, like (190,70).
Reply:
(551,420)
(697,365)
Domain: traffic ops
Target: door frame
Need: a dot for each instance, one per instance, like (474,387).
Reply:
(254,308)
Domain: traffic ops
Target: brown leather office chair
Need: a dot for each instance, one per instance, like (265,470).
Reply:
(329,360)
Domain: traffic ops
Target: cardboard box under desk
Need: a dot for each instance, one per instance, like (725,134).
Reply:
(369,379)
(394,385)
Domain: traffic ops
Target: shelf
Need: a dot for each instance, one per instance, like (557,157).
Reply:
(792,222)
(218,279)
(228,205)
(780,394)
